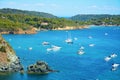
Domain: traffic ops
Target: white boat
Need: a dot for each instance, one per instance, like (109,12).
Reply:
(45,43)
(54,48)
(107,58)
(91,45)
(81,52)
(113,55)
(115,66)
(69,39)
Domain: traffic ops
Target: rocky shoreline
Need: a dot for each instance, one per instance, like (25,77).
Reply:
(34,30)
(10,63)
(20,31)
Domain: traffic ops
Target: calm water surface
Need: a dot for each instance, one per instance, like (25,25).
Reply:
(72,66)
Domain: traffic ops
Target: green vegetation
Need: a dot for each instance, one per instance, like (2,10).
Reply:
(24,12)
(2,49)
(13,20)
(98,19)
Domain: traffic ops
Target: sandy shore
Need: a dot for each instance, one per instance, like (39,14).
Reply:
(72,27)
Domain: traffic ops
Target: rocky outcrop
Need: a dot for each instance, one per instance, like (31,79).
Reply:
(20,31)
(39,67)
(9,62)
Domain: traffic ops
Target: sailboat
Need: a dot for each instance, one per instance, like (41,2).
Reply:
(69,39)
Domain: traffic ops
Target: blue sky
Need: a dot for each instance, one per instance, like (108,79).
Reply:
(65,7)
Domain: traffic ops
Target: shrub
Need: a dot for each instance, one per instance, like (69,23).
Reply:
(2,49)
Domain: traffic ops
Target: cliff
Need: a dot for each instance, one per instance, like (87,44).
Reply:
(9,62)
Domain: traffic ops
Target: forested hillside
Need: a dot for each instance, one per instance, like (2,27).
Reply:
(25,12)
(103,19)
(20,20)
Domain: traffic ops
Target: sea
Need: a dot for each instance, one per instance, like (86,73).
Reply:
(98,42)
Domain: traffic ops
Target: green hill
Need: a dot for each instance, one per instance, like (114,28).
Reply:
(17,20)
(97,19)
(31,13)
(83,17)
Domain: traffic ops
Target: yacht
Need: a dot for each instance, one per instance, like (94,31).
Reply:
(45,43)
(69,41)
(91,45)
(54,48)
(107,58)
(115,66)
(81,52)
(113,55)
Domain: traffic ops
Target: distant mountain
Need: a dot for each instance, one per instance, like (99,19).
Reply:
(86,17)
(25,12)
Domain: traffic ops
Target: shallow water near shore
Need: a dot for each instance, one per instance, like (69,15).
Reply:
(72,66)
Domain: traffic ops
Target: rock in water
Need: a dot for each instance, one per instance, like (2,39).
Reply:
(39,67)
(9,62)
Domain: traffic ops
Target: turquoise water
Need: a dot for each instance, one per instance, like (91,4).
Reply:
(72,66)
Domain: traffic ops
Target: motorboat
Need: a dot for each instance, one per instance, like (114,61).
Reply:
(45,43)
(81,52)
(115,66)
(54,48)
(91,45)
(113,55)
(107,58)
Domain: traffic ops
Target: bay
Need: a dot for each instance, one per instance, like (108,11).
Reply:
(72,66)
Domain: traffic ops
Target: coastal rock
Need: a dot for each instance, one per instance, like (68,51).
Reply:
(20,31)
(9,62)
(39,67)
